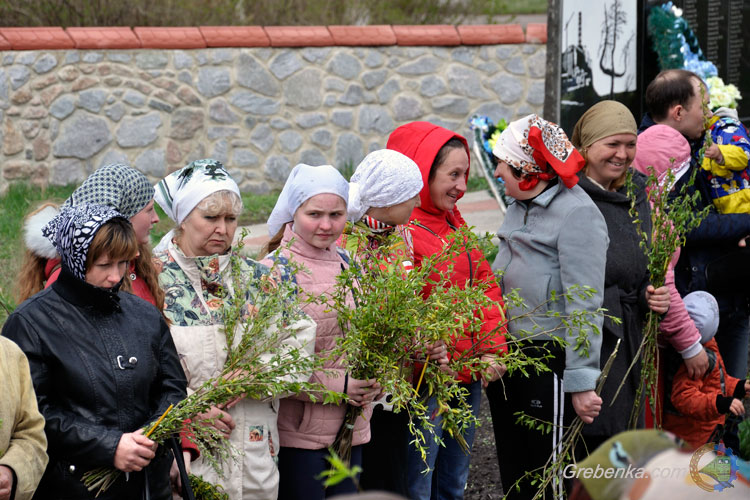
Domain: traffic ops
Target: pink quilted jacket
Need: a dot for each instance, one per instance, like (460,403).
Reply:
(676,327)
(302,423)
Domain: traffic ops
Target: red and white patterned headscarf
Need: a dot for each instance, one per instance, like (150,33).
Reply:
(540,150)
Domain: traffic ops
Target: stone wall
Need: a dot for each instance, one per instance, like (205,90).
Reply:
(65,113)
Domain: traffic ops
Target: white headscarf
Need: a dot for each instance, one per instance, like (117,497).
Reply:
(383,179)
(303,183)
(179,192)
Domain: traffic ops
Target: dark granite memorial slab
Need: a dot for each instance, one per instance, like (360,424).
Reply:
(722,28)
(574,45)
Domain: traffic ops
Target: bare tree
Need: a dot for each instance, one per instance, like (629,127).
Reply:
(612,30)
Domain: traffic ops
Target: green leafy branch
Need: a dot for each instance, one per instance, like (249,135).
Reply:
(398,313)
(203,490)
(671,218)
(553,468)
(339,471)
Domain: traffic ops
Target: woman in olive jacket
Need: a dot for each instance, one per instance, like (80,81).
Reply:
(102,362)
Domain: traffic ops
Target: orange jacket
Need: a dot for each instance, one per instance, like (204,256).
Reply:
(702,402)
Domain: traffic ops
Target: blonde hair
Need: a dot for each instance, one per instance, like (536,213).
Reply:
(145,268)
(31,275)
(221,202)
(217,203)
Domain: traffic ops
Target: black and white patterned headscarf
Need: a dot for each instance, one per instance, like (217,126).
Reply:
(72,231)
(118,186)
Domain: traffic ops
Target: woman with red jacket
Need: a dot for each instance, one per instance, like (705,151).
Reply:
(443,159)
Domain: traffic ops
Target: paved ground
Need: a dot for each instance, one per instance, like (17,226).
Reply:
(481,211)
(478,208)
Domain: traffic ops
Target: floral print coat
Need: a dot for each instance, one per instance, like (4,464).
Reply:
(193,303)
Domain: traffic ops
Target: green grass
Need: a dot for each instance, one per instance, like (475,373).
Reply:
(257,207)
(476,183)
(519,6)
(259,12)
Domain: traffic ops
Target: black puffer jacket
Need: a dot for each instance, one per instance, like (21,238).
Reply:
(103,363)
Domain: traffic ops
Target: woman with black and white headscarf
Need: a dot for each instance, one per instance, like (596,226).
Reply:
(117,186)
(102,362)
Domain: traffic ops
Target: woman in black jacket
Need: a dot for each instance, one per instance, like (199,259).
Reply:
(606,137)
(102,361)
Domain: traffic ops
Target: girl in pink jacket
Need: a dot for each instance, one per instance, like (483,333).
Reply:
(308,218)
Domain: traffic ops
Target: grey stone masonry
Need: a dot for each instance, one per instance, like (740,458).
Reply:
(261,110)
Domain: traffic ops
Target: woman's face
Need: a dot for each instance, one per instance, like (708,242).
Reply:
(321,220)
(143,221)
(206,234)
(449,181)
(105,273)
(395,214)
(607,159)
(504,171)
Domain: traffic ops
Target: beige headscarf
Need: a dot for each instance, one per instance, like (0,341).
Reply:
(603,119)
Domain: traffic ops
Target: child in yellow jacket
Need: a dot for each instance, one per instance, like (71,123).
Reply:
(725,163)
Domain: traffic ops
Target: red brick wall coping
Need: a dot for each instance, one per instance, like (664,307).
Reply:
(56,38)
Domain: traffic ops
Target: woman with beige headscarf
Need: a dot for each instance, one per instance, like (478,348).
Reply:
(606,138)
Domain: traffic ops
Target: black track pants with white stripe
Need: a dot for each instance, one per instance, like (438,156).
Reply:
(520,449)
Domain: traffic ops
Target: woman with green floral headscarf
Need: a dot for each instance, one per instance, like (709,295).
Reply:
(204,201)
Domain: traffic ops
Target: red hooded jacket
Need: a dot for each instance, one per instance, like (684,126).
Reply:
(421,141)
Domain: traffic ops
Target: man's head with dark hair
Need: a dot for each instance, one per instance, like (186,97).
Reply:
(679,98)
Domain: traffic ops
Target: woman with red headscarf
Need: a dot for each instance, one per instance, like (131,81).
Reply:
(552,238)
(443,159)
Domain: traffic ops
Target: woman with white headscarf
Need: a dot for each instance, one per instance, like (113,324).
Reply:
(383,192)
(552,238)
(310,215)
(204,201)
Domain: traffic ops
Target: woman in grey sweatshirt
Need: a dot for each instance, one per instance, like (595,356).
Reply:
(552,238)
